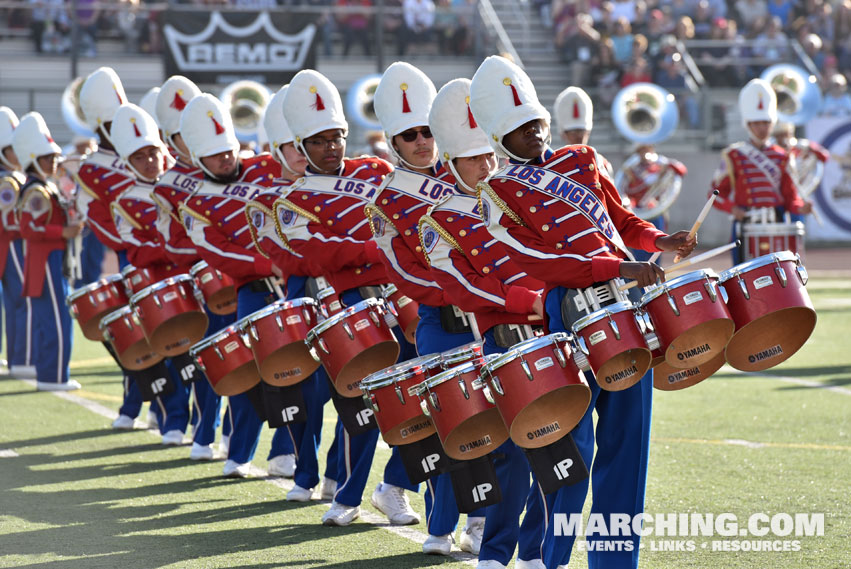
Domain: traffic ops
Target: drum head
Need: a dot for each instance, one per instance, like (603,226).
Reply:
(771,339)
(371,360)
(700,344)
(564,406)
(623,370)
(139,356)
(288,365)
(488,424)
(176,335)
(239,380)
(667,378)
(223,302)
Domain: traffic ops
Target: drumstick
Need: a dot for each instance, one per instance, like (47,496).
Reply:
(696,259)
(654,257)
(699,221)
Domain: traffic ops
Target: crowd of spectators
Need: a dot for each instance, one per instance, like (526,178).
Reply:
(609,44)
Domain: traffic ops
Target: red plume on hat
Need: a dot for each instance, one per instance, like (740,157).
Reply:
(470,118)
(406,108)
(135,128)
(117,94)
(178,103)
(760,106)
(576,109)
(319,105)
(514,94)
(219,128)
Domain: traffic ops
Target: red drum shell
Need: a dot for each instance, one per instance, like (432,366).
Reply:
(617,363)
(91,303)
(776,321)
(137,279)
(405,310)
(125,335)
(349,359)
(542,411)
(227,362)
(703,326)
(668,378)
(329,302)
(218,289)
(172,317)
(277,339)
(766,238)
(399,415)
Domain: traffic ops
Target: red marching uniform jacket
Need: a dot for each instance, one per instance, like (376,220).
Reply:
(473,268)
(394,214)
(10,230)
(322,217)
(43,218)
(751,177)
(100,180)
(171,190)
(641,176)
(561,221)
(214,218)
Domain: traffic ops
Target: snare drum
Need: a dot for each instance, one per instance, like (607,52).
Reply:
(400,417)
(353,344)
(227,361)
(468,423)
(277,340)
(668,378)
(405,310)
(329,302)
(764,238)
(89,304)
(690,318)
(123,331)
(615,347)
(540,393)
(217,288)
(137,280)
(771,308)
(172,315)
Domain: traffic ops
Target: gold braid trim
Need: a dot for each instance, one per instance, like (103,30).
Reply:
(44,191)
(84,187)
(369,210)
(266,211)
(431,222)
(485,187)
(730,172)
(184,209)
(291,206)
(12,182)
(116,209)
(281,202)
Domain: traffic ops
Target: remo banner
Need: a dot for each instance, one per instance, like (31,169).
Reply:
(222,47)
(832,198)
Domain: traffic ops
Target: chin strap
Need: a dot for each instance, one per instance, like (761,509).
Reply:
(458,179)
(279,155)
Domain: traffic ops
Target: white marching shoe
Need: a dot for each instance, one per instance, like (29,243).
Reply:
(201,452)
(490,564)
(438,544)
(224,445)
(329,488)
(531,564)
(152,420)
(123,423)
(471,536)
(393,503)
(234,469)
(71,385)
(299,494)
(22,372)
(340,515)
(282,465)
(173,438)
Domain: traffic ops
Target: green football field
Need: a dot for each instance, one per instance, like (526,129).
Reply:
(76,494)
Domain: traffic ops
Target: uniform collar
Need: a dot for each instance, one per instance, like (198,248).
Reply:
(548,153)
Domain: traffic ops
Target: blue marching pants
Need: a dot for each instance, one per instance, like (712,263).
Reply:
(246,424)
(52,324)
(18,309)
(618,470)
(132,397)
(91,258)
(172,410)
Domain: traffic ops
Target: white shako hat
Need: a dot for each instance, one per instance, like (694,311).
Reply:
(402,100)
(503,98)
(149,103)
(100,96)
(574,110)
(757,102)
(207,129)
(32,140)
(132,129)
(455,130)
(174,95)
(312,104)
(276,126)
(8,123)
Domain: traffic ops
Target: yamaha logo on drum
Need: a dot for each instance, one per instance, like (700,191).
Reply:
(543,431)
(696,351)
(771,352)
(621,375)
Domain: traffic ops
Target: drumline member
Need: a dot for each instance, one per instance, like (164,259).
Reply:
(135,136)
(214,218)
(476,274)
(170,191)
(798,149)
(402,102)
(574,113)
(46,228)
(329,226)
(554,241)
(18,308)
(755,174)
(296,270)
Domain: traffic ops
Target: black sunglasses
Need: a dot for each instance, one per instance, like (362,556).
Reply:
(411,134)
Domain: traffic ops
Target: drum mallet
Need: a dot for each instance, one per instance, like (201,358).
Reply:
(691,261)
(699,221)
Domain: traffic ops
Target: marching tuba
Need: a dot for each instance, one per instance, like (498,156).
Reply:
(646,114)
(246,101)
(72,112)
(360,102)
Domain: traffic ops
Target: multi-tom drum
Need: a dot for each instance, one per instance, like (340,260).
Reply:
(405,310)
(762,235)
(172,315)
(123,331)
(227,361)
(89,304)
(329,302)
(138,279)
(217,288)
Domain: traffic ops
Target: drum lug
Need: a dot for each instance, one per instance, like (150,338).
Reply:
(91,299)
(527,370)
(157,301)
(802,272)
(497,385)
(560,356)
(371,402)
(375,319)
(127,323)
(324,346)
(744,286)
(391,307)
(315,356)
(724,295)
(614,327)
(652,341)
(348,331)
(462,385)
(253,331)
(246,341)
(424,407)
(673,303)
(710,289)
(400,395)
(306,315)
(218,352)
(201,365)
(182,291)
(488,395)
(279,322)
(433,399)
(107,336)
(781,274)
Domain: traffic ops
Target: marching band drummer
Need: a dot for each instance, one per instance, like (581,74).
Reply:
(214,218)
(572,251)
(402,102)
(335,234)
(477,275)
(755,174)
(46,229)
(18,308)
(574,113)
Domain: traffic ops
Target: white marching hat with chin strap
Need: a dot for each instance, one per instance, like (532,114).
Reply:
(100,96)
(8,123)
(31,140)
(174,95)
(574,110)
(133,129)
(207,129)
(502,98)
(276,126)
(757,102)
(149,103)
(312,104)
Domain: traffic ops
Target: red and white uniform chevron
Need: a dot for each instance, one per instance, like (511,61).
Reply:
(171,190)
(101,178)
